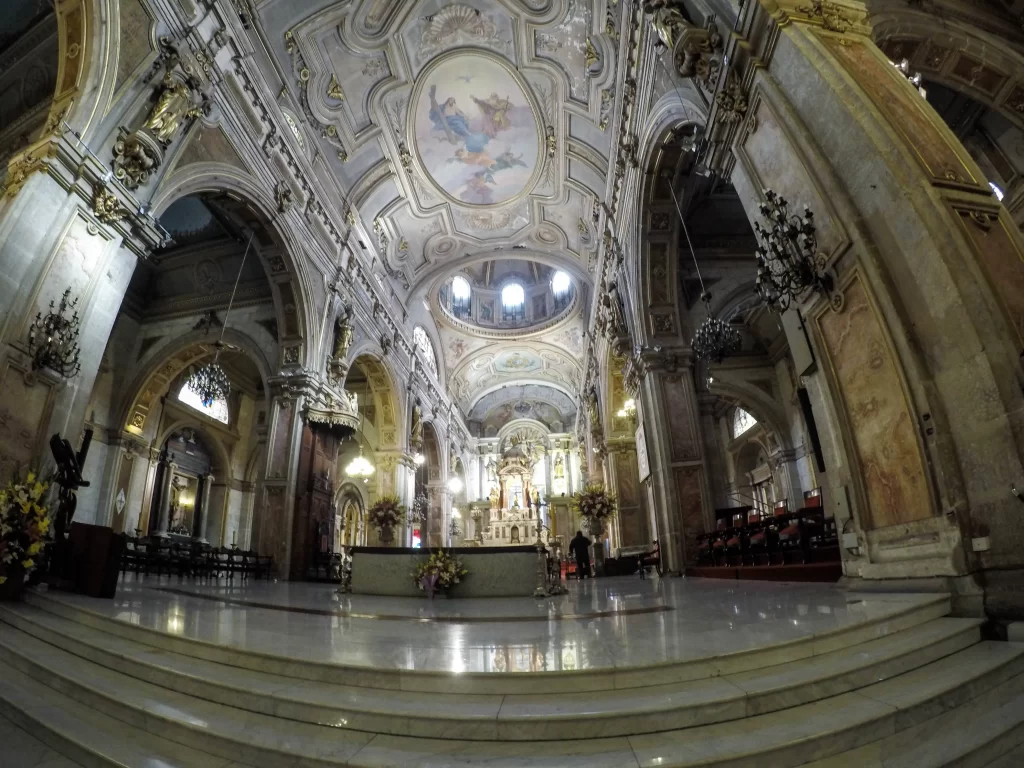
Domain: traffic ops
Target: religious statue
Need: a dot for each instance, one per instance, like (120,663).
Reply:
(343,335)
(416,431)
(173,106)
(559,467)
(667,20)
(492,471)
(495,497)
(593,410)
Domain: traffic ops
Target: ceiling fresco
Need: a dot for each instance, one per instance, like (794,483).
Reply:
(451,130)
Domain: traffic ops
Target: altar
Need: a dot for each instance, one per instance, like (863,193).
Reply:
(493,571)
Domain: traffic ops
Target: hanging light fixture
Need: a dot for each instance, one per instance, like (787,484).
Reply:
(53,340)
(210,382)
(788,261)
(715,339)
(359,466)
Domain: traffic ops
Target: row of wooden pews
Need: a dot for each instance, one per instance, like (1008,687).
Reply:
(745,537)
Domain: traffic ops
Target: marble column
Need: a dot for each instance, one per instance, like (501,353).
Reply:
(202,509)
(714,452)
(164,518)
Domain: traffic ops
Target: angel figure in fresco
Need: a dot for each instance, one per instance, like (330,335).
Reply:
(495,111)
(472,158)
(477,190)
(507,160)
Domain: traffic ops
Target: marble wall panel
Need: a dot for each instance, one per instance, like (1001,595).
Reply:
(121,492)
(690,497)
(1002,260)
(281,448)
(908,114)
(879,417)
(632,521)
(676,397)
(660,289)
(21,425)
(768,155)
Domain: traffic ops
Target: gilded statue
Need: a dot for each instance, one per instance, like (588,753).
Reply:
(667,20)
(173,106)
(343,337)
(559,467)
(416,432)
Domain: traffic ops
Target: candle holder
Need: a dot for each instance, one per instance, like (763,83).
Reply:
(53,340)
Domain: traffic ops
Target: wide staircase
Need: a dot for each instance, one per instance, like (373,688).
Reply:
(914,689)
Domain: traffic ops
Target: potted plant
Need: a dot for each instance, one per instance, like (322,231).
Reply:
(24,529)
(384,515)
(595,505)
(439,571)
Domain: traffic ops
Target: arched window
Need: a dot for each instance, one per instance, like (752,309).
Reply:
(741,422)
(461,296)
(560,284)
(513,302)
(425,348)
(218,409)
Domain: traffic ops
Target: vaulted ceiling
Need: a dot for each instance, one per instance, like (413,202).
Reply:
(455,133)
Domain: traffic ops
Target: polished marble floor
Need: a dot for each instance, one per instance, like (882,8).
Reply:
(607,623)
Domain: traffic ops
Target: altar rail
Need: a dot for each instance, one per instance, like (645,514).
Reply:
(493,571)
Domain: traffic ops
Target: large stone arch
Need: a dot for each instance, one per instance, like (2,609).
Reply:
(166,361)
(387,398)
(962,57)
(249,208)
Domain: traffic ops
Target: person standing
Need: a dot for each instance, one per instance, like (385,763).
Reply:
(580,548)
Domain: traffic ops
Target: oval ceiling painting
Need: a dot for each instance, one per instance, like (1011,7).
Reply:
(475,130)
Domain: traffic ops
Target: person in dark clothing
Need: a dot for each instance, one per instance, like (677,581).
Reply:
(580,548)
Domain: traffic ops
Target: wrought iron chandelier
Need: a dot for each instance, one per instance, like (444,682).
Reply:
(210,382)
(53,340)
(788,261)
(715,339)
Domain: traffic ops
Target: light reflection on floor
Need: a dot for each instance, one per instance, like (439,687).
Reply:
(617,622)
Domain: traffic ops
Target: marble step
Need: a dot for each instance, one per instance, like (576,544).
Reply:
(55,731)
(786,737)
(987,730)
(581,681)
(512,716)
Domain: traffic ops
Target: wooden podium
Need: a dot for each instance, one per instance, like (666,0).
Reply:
(95,559)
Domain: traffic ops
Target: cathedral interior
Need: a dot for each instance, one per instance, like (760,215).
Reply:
(755,268)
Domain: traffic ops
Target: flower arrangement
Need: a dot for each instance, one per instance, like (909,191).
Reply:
(386,513)
(439,571)
(24,525)
(594,503)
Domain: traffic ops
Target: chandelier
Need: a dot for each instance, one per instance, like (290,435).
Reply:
(788,261)
(359,466)
(715,339)
(53,340)
(210,382)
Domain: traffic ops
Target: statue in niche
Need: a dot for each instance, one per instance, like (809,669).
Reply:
(492,471)
(343,334)
(173,106)
(593,411)
(559,468)
(667,20)
(416,431)
(515,535)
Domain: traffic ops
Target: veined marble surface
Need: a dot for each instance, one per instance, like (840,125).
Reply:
(601,624)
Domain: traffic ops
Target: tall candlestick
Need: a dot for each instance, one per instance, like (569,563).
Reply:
(234,537)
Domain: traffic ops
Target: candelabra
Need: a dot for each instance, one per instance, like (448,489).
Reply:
(53,340)
(788,261)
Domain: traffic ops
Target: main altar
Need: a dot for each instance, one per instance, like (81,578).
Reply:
(515,515)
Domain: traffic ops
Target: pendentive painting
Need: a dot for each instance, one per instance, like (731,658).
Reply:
(476,133)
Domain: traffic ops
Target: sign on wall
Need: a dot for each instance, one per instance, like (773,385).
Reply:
(643,464)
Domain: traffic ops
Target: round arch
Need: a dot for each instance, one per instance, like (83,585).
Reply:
(387,402)
(165,362)
(249,208)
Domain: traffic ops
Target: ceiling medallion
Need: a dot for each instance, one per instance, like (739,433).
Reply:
(475,129)
(788,261)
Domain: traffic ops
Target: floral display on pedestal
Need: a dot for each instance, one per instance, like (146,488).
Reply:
(595,505)
(24,529)
(384,515)
(439,571)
